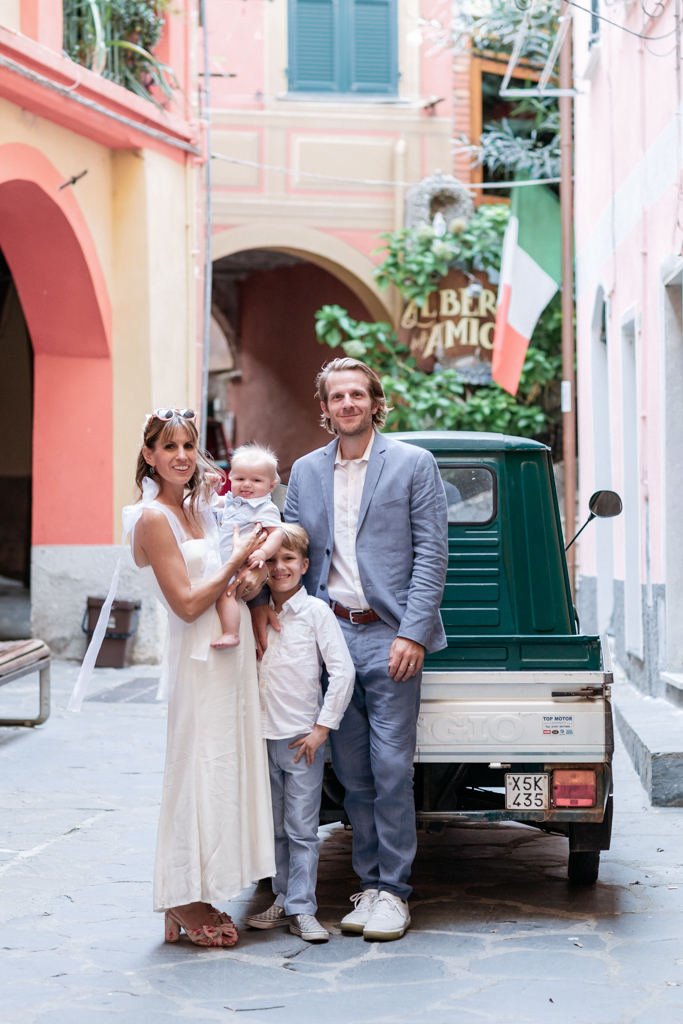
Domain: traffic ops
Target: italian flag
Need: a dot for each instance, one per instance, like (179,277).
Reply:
(530,274)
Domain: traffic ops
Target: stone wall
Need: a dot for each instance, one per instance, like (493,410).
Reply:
(649,670)
(62,579)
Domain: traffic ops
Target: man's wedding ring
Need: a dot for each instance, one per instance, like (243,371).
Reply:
(411,665)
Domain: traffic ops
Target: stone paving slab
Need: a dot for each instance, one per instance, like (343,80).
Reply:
(498,934)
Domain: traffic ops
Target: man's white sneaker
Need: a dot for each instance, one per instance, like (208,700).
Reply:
(355,922)
(273,917)
(390,919)
(309,928)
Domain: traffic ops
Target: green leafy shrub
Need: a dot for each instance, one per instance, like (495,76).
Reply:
(116,38)
(535,154)
(529,141)
(443,401)
(491,26)
(416,259)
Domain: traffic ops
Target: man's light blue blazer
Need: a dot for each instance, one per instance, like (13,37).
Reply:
(402,539)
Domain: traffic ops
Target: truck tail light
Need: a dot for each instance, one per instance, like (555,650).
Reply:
(574,789)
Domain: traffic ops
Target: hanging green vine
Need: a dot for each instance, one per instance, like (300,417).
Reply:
(528,141)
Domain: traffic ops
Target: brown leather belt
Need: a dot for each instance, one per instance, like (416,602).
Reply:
(357,618)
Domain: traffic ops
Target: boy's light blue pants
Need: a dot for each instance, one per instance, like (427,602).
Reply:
(295,790)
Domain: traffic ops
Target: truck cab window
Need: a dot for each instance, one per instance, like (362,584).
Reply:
(470,493)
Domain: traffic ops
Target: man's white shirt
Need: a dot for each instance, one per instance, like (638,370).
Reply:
(289,674)
(344,585)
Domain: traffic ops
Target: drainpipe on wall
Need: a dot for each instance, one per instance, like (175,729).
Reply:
(568,346)
(399,211)
(208,265)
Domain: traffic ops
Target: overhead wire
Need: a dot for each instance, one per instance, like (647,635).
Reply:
(374,181)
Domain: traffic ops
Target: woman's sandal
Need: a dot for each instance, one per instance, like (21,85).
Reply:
(222,933)
(224,922)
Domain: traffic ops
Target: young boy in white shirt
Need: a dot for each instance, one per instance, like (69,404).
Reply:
(296,724)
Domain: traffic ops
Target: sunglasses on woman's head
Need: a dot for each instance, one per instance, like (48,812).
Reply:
(168,414)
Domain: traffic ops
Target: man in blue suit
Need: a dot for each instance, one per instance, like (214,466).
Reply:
(376,514)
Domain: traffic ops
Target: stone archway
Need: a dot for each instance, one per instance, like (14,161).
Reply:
(55,268)
(267,299)
(332,254)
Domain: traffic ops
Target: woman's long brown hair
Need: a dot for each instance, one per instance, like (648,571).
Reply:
(158,431)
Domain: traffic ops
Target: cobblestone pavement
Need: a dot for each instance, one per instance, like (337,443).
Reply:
(498,934)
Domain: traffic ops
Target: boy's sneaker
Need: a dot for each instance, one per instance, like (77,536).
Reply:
(273,917)
(390,919)
(355,922)
(308,928)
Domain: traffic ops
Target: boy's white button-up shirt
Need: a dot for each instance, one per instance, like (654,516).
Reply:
(289,674)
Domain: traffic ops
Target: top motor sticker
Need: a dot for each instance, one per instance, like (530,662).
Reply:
(558,725)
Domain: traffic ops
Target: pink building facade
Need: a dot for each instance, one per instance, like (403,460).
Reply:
(629,272)
(325,111)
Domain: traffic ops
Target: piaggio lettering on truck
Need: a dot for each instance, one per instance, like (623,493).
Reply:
(471,728)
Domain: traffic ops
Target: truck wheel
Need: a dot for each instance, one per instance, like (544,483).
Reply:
(583,867)
(332,787)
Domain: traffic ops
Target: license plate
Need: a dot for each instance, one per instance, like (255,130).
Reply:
(526,792)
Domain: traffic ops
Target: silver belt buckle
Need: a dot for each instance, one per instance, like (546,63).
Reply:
(351,617)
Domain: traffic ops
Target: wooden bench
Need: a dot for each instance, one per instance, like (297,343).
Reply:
(20,658)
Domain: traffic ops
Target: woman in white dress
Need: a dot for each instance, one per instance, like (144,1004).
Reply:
(215,830)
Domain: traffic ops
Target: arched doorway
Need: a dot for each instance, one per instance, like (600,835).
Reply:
(56,297)
(16,366)
(265,301)
(339,257)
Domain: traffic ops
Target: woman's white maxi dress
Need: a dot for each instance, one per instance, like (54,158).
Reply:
(216,826)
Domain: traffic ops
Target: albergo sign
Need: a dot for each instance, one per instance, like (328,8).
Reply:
(452,323)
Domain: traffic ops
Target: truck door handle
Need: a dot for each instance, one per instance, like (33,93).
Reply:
(591,692)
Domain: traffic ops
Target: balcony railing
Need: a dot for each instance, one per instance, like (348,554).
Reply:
(116,39)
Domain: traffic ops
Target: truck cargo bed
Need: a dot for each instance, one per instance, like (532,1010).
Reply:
(513,716)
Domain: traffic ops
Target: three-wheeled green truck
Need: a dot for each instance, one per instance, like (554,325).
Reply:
(515,722)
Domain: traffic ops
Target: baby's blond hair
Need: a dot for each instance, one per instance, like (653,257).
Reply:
(256,454)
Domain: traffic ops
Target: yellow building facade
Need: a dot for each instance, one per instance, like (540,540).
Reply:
(100,270)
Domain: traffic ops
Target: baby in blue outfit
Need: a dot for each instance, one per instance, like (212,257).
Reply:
(253,476)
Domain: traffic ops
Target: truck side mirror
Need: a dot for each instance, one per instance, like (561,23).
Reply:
(605,504)
(602,505)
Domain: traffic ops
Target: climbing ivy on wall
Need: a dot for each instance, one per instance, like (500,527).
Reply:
(417,258)
(443,400)
(415,262)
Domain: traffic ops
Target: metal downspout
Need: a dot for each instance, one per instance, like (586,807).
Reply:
(208,264)
(568,346)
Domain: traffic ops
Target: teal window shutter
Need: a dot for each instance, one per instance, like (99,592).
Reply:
(343,46)
(373,45)
(313,45)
